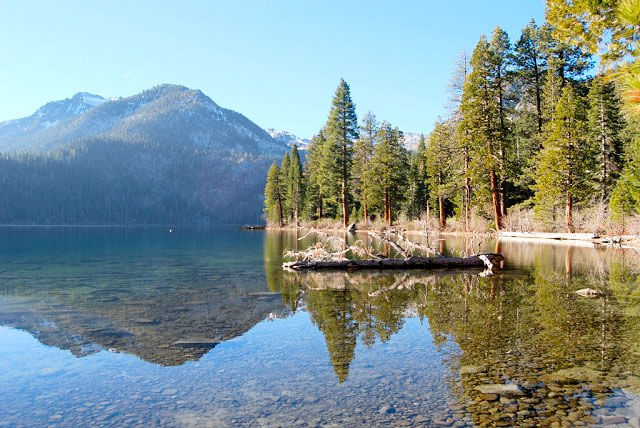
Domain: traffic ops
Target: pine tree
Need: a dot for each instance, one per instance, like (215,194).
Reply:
(341,131)
(362,154)
(565,160)
(463,142)
(439,155)
(530,55)
(500,51)
(605,127)
(315,191)
(417,194)
(284,186)
(479,125)
(295,184)
(273,196)
(388,170)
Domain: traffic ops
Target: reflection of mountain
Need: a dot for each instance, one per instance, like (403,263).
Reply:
(165,300)
(164,327)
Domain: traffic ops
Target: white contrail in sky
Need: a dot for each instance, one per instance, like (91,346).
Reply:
(128,74)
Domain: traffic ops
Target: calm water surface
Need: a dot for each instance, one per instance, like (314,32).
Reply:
(201,327)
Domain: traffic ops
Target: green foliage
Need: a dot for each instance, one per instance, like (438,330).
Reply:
(417,194)
(362,155)
(440,160)
(566,159)
(605,129)
(341,131)
(388,171)
(295,183)
(284,187)
(273,195)
(586,23)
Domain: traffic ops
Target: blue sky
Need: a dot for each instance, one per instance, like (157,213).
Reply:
(276,61)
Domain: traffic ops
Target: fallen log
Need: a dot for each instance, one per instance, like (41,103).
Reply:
(478,261)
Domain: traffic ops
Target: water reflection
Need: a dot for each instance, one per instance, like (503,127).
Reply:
(166,299)
(356,349)
(573,359)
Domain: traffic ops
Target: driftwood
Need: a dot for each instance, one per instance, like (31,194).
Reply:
(478,261)
(388,241)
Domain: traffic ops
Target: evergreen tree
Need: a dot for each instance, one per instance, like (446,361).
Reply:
(273,196)
(284,187)
(417,190)
(565,160)
(439,155)
(480,123)
(362,154)
(315,192)
(500,51)
(295,184)
(530,55)
(341,131)
(388,170)
(605,127)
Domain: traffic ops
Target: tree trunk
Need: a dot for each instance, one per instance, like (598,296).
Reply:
(443,218)
(477,261)
(345,208)
(603,155)
(387,209)
(570,227)
(467,191)
(538,97)
(280,212)
(495,199)
(501,158)
(366,209)
(319,207)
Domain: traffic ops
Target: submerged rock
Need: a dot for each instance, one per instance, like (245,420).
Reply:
(465,370)
(386,409)
(500,389)
(579,374)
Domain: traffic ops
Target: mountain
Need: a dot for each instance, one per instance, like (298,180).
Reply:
(168,155)
(411,141)
(288,138)
(165,114)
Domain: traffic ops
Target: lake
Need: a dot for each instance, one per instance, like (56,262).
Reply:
(201,327)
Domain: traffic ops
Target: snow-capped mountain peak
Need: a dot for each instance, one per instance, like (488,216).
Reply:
(288,138)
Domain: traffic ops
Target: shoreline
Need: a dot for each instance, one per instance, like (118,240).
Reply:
(578,239)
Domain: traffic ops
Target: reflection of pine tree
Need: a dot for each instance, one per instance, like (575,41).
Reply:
(274,246)
(331,312)
(273,260)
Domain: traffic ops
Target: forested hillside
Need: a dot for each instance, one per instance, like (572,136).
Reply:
(536,135)
(168,155)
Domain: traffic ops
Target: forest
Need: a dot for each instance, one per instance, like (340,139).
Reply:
(541,132)
(106,181)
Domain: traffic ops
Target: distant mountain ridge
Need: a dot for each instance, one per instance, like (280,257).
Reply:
(166,114)
(168,155)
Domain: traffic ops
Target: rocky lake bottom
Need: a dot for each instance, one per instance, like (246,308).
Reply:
(141,327)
